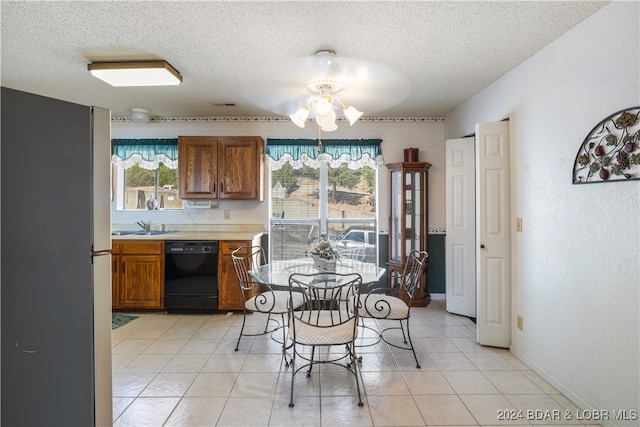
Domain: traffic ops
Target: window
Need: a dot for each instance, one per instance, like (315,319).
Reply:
(331,195)
(146,174)
(135,185)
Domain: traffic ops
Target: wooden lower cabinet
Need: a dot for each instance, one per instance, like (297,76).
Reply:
(138,274)
(229,293)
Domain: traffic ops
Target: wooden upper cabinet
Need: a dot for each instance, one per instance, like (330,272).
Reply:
(240,168)
(198,167)
(229,167)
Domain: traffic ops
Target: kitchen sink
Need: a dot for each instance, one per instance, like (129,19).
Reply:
(122,233)
(150,233)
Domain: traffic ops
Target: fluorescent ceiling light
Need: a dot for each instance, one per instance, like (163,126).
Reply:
(140,73)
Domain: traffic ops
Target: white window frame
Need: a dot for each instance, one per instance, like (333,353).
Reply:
(323,221)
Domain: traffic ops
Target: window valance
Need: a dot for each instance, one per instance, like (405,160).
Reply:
(148,153)
(298,152)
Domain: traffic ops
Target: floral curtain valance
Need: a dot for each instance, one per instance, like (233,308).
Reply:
(298,152)
(148,153)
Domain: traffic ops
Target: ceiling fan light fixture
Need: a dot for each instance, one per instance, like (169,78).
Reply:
(325,57)
(322,107)
(324,111)
(300,116)
(329,127)
(136,73)
(351,113)
(327,122)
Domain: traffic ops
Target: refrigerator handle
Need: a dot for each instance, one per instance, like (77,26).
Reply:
(102,252)
(99,253)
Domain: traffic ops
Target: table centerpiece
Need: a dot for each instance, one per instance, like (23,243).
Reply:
(324,255)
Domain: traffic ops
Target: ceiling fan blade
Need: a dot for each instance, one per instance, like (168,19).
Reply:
(367,85)
(280,100)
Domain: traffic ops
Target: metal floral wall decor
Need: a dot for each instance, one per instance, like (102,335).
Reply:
(611,151)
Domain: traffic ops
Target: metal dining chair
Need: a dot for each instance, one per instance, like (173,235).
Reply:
(328,317)
(258,297)
(394,303)
(355,254)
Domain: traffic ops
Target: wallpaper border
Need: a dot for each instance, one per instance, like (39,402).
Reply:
(282,119)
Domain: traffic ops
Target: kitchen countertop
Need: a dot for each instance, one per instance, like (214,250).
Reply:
(192,232)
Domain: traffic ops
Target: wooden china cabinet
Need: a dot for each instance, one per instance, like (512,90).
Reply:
(408,219)
(220,167)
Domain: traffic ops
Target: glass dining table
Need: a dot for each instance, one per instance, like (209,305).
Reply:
(277,273)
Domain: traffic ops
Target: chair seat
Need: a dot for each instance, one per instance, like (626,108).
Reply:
(327,332)
(276,302)
(383,307)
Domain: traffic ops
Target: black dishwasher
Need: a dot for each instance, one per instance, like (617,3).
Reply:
(191,276)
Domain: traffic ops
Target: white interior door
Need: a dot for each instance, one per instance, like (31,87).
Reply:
(460,240)
(493,234)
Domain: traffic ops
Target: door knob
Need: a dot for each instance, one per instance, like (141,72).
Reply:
(481,246)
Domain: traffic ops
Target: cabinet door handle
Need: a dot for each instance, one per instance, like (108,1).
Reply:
(221,186)
(214,186)
(481,246)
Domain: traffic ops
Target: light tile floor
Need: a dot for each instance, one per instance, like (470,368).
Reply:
(182,370)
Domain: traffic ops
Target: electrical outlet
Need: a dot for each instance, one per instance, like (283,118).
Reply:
(520,322)
(227,214)
(519,225)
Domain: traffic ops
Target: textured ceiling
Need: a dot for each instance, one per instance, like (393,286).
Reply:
(230,52)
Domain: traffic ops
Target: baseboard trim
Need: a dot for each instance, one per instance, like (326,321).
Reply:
(573,397)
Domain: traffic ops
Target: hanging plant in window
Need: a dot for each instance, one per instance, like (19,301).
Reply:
(611,151)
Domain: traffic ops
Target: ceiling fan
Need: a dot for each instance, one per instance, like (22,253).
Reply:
(317,82)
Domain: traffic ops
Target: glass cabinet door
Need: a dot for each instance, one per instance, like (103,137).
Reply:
(412,211)
(397,201)
(406,213)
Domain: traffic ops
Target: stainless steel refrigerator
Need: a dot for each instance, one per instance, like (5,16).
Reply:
(55,262)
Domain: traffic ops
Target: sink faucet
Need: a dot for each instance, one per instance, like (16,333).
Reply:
(145,226)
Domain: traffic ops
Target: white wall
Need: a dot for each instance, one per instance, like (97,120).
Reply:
(397,134)
(576,263)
